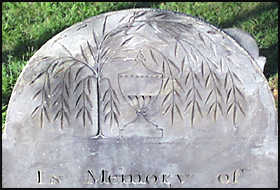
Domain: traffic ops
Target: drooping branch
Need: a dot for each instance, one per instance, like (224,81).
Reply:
(110,102)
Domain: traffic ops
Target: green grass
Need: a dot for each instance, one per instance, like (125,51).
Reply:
(26,26)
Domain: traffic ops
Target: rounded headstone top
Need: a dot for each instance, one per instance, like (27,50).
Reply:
(143,72)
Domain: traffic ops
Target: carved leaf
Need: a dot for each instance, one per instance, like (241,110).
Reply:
(88,100)
(88,85)
(182,65)
(126,41)
(122,18)
(91,51)
(229,108)
(240,93)
(198,94)
(41,119)
(105,106)
(55,102)
(66,89)
(192,114)
(104,25)
(46,113)
(241,109)
(189,92)
(177,94)
(68,51)
(221,109)
(207,80)
(210,108)
(221,63)
(202,70)
(54,66)
(140,14)
(212,63)
(94,38)
(115,95)
(215,112)
(34,111)
(56,115)
(153,57)
(179,112)
(167,109)
(174,65)
(193,56)
(225,84)
(67,117)
(116,108)
(111,119)
(139,27)
(163,67)
(46,98)
(56,88)
(84,117)
(201,38)
(219,93)
(165,84)
(197,79)
(184,27)
(48,82)
(179,84)
(165,98)
(89,116)
(78,99)
(235,76)
(209,95)
(162,15)
(83,54)
(187,106)
(37,77)
(175,49)
(234,114)
(77,86)
(116,119)
(172,115)
(105,94)
(199,110)
(216,77)
(66,104)
(187,77)
(106,116)
(228,95)
(36,94)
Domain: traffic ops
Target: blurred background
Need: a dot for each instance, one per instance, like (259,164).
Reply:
(26,26)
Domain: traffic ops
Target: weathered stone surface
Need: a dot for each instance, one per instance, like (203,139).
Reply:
(141,98)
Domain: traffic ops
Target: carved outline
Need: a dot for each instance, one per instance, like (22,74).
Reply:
(141,111)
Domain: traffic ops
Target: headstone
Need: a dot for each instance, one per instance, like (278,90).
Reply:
(141,98)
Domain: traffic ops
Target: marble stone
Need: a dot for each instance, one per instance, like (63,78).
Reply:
(142,98)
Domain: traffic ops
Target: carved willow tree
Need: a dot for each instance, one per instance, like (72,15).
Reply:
(100,55)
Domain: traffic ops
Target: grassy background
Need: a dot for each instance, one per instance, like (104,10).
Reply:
(26,26)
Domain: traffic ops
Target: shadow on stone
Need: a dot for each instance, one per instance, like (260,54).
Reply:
(271,54)
(243,17)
